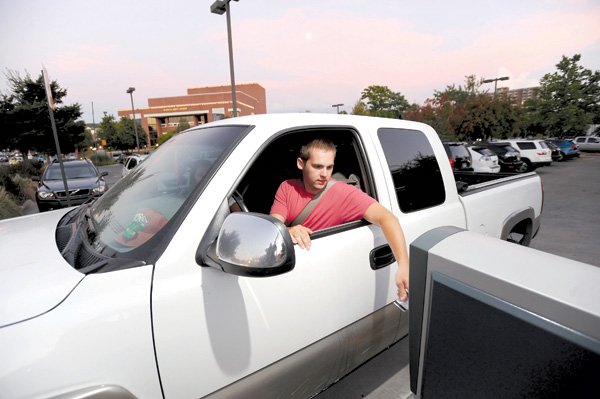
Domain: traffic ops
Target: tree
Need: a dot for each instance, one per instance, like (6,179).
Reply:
(381,101)
(182,125)
(568,100)
(107,130)
(468,113)
(120,135)
(359,109)
(25,121)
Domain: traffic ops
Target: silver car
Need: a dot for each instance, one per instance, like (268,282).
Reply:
(588,143)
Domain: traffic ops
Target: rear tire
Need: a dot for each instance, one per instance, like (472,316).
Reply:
(520,233)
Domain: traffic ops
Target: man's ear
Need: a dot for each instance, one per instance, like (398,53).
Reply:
(300,163)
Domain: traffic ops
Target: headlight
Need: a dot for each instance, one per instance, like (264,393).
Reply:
(45,195)
(99,190)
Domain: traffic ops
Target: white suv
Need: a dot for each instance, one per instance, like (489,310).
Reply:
(534,153)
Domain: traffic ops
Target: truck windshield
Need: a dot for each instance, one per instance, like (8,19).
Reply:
(137,207)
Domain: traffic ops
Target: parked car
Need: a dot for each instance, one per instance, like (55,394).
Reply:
(534,153)
(459,156)
(131,162)
(568,149)
(556,154)
(508,157)
(157,290)
(587,143)
(484,159)
(83,181)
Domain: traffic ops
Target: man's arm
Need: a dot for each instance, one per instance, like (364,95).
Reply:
(379,215)
(300,234)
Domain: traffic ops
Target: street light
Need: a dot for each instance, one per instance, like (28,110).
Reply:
(337,107)
(495,80)
(221,7)
(137,141)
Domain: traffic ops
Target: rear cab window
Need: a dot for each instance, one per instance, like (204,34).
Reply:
(414,167)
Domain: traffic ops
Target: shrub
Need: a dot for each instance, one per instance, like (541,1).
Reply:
(16,180)
(8,206)
(165,137)
(101,159)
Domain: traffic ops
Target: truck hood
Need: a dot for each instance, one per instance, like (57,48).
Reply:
(34,277)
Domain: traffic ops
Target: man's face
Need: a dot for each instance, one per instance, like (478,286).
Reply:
(317,169)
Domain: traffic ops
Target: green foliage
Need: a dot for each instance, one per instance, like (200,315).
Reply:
(165,137)
(183,125)
(16,181)
(121,135)
(383,102)
(25,120)
(568,100)
(359,109)
(8,205)
(468,113)
(101,159)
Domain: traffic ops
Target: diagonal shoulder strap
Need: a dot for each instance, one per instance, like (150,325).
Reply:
(311,205)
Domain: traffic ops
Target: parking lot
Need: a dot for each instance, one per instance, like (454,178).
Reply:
(570,228)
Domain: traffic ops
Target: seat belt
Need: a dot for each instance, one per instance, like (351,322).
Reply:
(311,205)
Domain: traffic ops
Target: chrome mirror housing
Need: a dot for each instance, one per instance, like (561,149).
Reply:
(252,244)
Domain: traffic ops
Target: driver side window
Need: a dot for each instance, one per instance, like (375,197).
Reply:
(277,163)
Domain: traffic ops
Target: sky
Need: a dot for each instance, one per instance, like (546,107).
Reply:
(308,55)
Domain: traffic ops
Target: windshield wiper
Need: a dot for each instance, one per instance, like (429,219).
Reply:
(89,228)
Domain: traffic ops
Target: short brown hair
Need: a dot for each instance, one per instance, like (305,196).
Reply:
(321,144)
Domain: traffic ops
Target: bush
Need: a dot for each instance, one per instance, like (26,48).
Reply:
(101,159)
(165,137)
(16,180)
(8,206)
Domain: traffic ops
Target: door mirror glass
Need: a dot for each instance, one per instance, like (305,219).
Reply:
(252,244)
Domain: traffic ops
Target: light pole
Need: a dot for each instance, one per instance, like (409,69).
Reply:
(337,107)
(495,80)
(137,141)
(221,7)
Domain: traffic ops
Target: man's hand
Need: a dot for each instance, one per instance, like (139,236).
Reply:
(402,281)
(300,235)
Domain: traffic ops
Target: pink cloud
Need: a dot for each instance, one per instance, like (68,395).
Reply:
(332,56)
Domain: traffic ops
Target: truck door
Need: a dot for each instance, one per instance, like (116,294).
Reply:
(292,334)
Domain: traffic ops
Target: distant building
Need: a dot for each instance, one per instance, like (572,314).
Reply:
(517,96)
(200,105)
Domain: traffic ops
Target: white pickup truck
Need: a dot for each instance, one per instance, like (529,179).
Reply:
(158,289)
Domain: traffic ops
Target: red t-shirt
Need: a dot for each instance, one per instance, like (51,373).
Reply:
(340,204)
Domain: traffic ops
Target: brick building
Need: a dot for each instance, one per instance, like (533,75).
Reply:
(200,105)
(518,96)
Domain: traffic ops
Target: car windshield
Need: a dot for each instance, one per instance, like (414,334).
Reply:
(459,150)
(137,207)
(80,171)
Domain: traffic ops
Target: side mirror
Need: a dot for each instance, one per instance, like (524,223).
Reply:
(35,178)
(252,245)
(105,173)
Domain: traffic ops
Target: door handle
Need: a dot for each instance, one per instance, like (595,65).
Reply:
(381,256)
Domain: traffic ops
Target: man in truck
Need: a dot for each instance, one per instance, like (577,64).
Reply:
(317,202)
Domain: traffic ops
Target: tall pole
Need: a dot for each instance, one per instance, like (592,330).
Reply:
(94,127)
(137,141)
(233,95)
